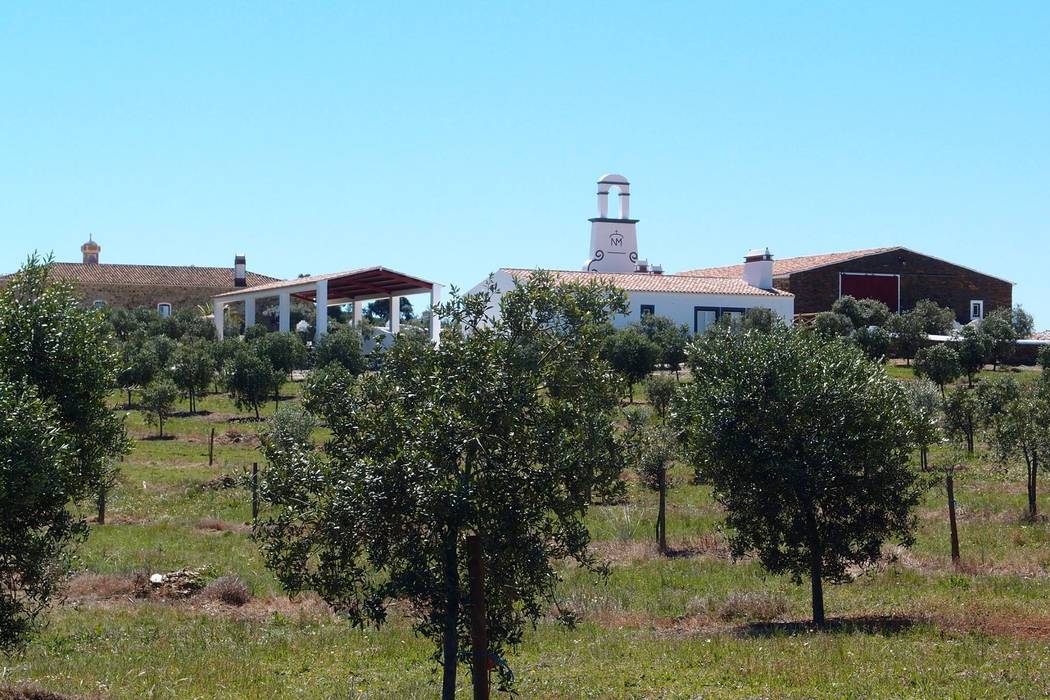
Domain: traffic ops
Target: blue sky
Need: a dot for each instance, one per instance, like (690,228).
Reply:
(449,139)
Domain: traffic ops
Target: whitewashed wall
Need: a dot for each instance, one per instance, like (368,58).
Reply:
(676,306)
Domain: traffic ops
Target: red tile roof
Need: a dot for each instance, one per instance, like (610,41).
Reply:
(789,266)
(150,275)
(644,282)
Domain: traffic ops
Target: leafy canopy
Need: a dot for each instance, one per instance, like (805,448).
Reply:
(57,435)
(806,444)
(502,430)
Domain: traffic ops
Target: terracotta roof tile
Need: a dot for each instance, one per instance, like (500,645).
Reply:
(789,266)
(151,275)
(643,282)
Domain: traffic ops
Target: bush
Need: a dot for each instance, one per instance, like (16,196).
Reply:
(874,341)
(631,354)
(231,590)
(934,319)
(829,324)
(345,347)
(939,363)
(659,390)
(862,312)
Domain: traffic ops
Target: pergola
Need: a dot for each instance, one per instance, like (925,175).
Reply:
(333,289)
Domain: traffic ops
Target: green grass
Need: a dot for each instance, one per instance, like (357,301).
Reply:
(914,626)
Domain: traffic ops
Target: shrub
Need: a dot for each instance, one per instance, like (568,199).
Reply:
(862,312)
(631,354)
(874,341)
(345,347)
(938,363)
(659,390)
(829,324)
(231,590)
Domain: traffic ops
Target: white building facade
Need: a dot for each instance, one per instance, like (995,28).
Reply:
(696,302)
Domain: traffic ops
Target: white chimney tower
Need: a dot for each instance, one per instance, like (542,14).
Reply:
(758,268)
(614,243)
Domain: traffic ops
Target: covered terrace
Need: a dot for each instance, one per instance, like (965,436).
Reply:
(333,289)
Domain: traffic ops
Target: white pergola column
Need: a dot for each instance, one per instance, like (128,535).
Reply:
(356,319)
(321,313)
(395,315)
(284,312)
(249,312)
(218,309)
(435,322)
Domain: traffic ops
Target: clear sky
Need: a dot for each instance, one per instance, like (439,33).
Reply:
(449,139)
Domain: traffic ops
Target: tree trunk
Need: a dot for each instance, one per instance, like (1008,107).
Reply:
(450,633)
(924,453)
(102,505)
(949,483)
(129,399)
(160,421)
(661,517)
(479,644)
(816,566)
(256,411)
(1033,469)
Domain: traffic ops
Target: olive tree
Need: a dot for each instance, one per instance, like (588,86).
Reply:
(57,436)
(138,364)
(158,401)
(927,429)
(192,370)
(935,319)
(670,337)
(251,379)
(651,452)
(807,445)
(975,349)
(939,363)
(631,354)
(1022,428)
(485,448)
(343,346)
(862,312)
(962,415)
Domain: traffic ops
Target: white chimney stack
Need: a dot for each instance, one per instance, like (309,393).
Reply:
(758,268)
(240,277)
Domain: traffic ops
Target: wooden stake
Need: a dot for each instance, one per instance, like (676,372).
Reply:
(255,492)
(479,643)
(211,447)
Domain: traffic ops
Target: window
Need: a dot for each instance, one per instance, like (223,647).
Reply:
(648,309)
(976,309)
(164,309)
(707,316)
(99,304)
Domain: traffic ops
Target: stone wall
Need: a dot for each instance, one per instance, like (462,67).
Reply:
(134,296)
(922,277)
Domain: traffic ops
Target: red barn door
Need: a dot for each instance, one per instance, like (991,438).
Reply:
(885,288)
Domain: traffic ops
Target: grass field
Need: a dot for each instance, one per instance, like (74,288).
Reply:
(697,624)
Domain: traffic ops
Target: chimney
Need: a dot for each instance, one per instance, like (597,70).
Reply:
(758,268)
(239,277)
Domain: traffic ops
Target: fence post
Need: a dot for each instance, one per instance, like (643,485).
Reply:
(479,644)
(255,492)
(211,446)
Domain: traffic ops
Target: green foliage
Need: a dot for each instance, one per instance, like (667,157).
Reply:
(975,350)
(250,379)
(828,325)
(138,365)
(163,349)
(669,336)
(1022,322)
(659,390)
(158,401)
(863,312)
(502,430)
(255,332)
(924,400)
(343,346)
(284,351)
(807,445)
(909,333)
(935,319)
(874,341)
(57,435)
(193,367)
(378,310)
(962,415)
(631,354)
(760,319)
(289,428)
(1021,428)
(939,363)
(998,328)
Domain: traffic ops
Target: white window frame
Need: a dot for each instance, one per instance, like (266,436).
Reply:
(161,311)
(979,303)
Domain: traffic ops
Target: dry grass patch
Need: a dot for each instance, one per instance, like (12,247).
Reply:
(33,692)
(231,590)
(219,525)
(90,586)
(626,553)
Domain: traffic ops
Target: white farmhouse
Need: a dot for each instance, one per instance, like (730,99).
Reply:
(694,301)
